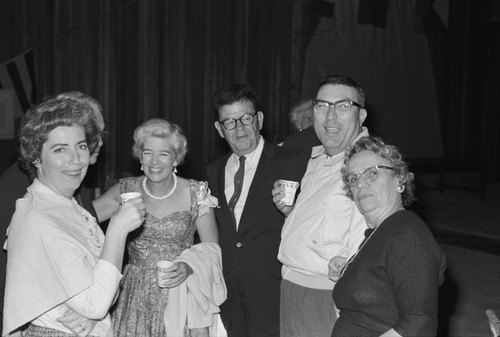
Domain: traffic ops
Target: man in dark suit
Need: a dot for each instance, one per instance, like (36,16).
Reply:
(249,222)
(305,139)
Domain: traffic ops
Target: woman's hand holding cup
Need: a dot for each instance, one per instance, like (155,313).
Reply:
(131,213)
(170,274)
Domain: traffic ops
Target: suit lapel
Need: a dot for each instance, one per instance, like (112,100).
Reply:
(226,218)
(263,168)
(221,181)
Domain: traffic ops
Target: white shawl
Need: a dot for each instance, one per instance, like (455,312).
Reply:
(196,301)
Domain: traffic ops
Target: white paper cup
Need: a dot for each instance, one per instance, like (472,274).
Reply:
(290,190)
(161,270)
(128,196)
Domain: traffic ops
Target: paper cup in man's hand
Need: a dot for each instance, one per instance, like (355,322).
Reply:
(290,190)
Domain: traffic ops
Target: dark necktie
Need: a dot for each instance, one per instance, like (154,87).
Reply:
(238,183)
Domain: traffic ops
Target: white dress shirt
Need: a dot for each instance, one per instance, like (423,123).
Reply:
(233,163)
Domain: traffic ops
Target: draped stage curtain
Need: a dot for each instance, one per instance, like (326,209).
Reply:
(466,60)
(431,93)
(393,66)
(159,58)
(432,87)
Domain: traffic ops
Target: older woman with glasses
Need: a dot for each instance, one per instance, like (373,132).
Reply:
(389,287)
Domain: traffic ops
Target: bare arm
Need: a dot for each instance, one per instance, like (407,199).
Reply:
(107,204)
(94,302)
(207,229)
(128,217)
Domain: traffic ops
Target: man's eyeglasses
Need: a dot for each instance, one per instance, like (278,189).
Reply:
(369,174)
(230,123)
(340,107)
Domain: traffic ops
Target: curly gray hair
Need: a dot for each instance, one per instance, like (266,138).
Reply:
(388,152)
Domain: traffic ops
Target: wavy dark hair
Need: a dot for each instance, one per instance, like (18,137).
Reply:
(232,93)
(93,104)
(388,152)
(41,119)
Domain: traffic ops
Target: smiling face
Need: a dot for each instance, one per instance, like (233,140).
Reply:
(337,132)
(243,139)
(379,198)
(64,160)
(158,158)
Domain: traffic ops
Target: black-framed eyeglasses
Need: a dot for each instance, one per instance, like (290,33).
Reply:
(230,123)
(340,107)
(371,173)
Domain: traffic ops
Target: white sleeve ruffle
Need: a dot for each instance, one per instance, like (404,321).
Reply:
(205,199)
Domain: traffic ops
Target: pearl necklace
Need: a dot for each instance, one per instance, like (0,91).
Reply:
(342,272)
(166,195)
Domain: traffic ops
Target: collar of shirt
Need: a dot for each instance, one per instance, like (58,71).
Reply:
(251,163)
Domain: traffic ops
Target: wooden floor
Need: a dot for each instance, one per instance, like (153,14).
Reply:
(468,230)
(472,286)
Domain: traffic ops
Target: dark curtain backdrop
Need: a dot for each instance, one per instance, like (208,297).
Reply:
(392,64)
(432,85)
(466,59)
(156,58)
(165,58)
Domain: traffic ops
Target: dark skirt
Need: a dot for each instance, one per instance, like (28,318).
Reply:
(343,328)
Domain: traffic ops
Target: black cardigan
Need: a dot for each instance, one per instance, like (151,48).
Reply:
(393,281)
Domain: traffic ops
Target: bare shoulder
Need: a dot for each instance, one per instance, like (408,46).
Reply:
(184,184)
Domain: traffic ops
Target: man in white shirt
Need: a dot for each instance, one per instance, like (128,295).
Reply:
(324,222)
(249,223)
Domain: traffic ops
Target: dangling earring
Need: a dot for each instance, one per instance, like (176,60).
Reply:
(401,188)
(175,169)
(142,167)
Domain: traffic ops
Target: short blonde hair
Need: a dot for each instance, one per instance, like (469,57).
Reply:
(160,128)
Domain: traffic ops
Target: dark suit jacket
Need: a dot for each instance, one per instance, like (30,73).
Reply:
(304,140)
(252,250)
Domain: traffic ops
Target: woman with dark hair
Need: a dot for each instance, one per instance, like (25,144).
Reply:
(389,287)
(175,208)
(58,257)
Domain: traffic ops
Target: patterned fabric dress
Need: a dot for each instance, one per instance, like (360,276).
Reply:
(141,303)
